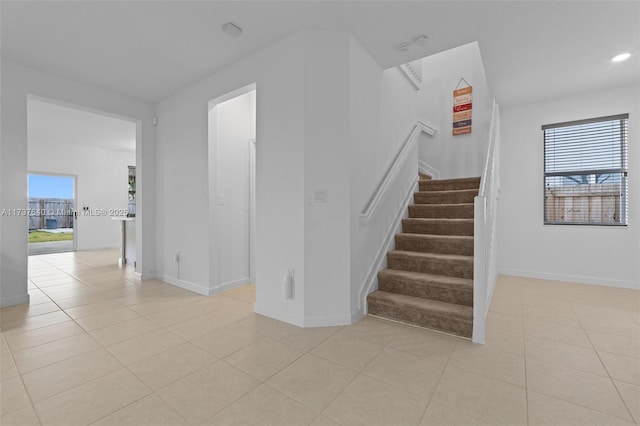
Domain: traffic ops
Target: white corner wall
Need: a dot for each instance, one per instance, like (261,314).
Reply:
(585,254)
(328,120)
(101,184)
(327,168)
(463,155)
(17,83)
(184,190)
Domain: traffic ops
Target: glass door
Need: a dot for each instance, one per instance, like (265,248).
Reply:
(52,219)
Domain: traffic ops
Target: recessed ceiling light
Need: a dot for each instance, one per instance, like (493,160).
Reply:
(232,29)
(621,57)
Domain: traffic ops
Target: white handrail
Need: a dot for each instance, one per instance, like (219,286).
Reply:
(419,128)
(427,169)
(485,231)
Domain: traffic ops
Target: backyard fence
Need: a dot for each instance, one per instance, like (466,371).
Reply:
(595,203)
(43,209)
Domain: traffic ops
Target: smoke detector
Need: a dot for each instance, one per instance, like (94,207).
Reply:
(422,40)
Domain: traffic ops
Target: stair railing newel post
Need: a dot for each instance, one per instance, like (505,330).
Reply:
(479,269)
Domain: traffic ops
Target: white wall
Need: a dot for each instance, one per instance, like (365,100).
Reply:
(302,146)
(17,83)
(399,112)
(383,108)
(184,189)
(463,155)
(322,110)
(101,184)
(587,254)
(327,168)
(233,134)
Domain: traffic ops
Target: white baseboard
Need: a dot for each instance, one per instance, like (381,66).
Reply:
(235,283)
(197,288)
(571,278)
(14,300)
(428,170)
(144,277)
(306,322)
(371,282)
(327,321)
(187,285)
(278,315)
(357,316)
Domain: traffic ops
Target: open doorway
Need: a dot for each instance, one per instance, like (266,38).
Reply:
(232,177)
(98,151)
(52,206)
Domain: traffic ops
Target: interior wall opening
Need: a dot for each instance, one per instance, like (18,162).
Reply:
(232,183)
(98,151)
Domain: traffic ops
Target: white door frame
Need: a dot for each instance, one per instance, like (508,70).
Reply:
(214,260)
(252,210)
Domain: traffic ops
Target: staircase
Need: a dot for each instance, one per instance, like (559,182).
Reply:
(429,280)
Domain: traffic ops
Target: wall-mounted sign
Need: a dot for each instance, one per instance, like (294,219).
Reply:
(462,106)
(462,115)
(462,131)
(463,123)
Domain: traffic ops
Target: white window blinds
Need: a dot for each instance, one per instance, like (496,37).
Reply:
(585,171)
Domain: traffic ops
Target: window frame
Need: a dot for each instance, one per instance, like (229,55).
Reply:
(623,170)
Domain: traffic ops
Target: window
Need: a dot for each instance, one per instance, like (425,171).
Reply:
(585,172)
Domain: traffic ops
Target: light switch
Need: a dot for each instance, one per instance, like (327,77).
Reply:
(221,199)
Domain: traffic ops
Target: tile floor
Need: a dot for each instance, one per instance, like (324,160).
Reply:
(95,346)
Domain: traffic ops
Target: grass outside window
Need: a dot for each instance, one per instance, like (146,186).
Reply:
(45,237)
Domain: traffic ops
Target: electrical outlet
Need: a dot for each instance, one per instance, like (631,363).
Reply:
(320,196)
(176,257)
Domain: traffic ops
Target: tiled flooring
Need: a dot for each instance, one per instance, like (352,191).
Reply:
(97,347)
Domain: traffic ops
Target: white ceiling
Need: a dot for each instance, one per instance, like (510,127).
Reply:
(532,50)
(52,124)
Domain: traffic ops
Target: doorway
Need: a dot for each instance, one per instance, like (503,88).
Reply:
(232,177)
(52,213)
(95,148)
